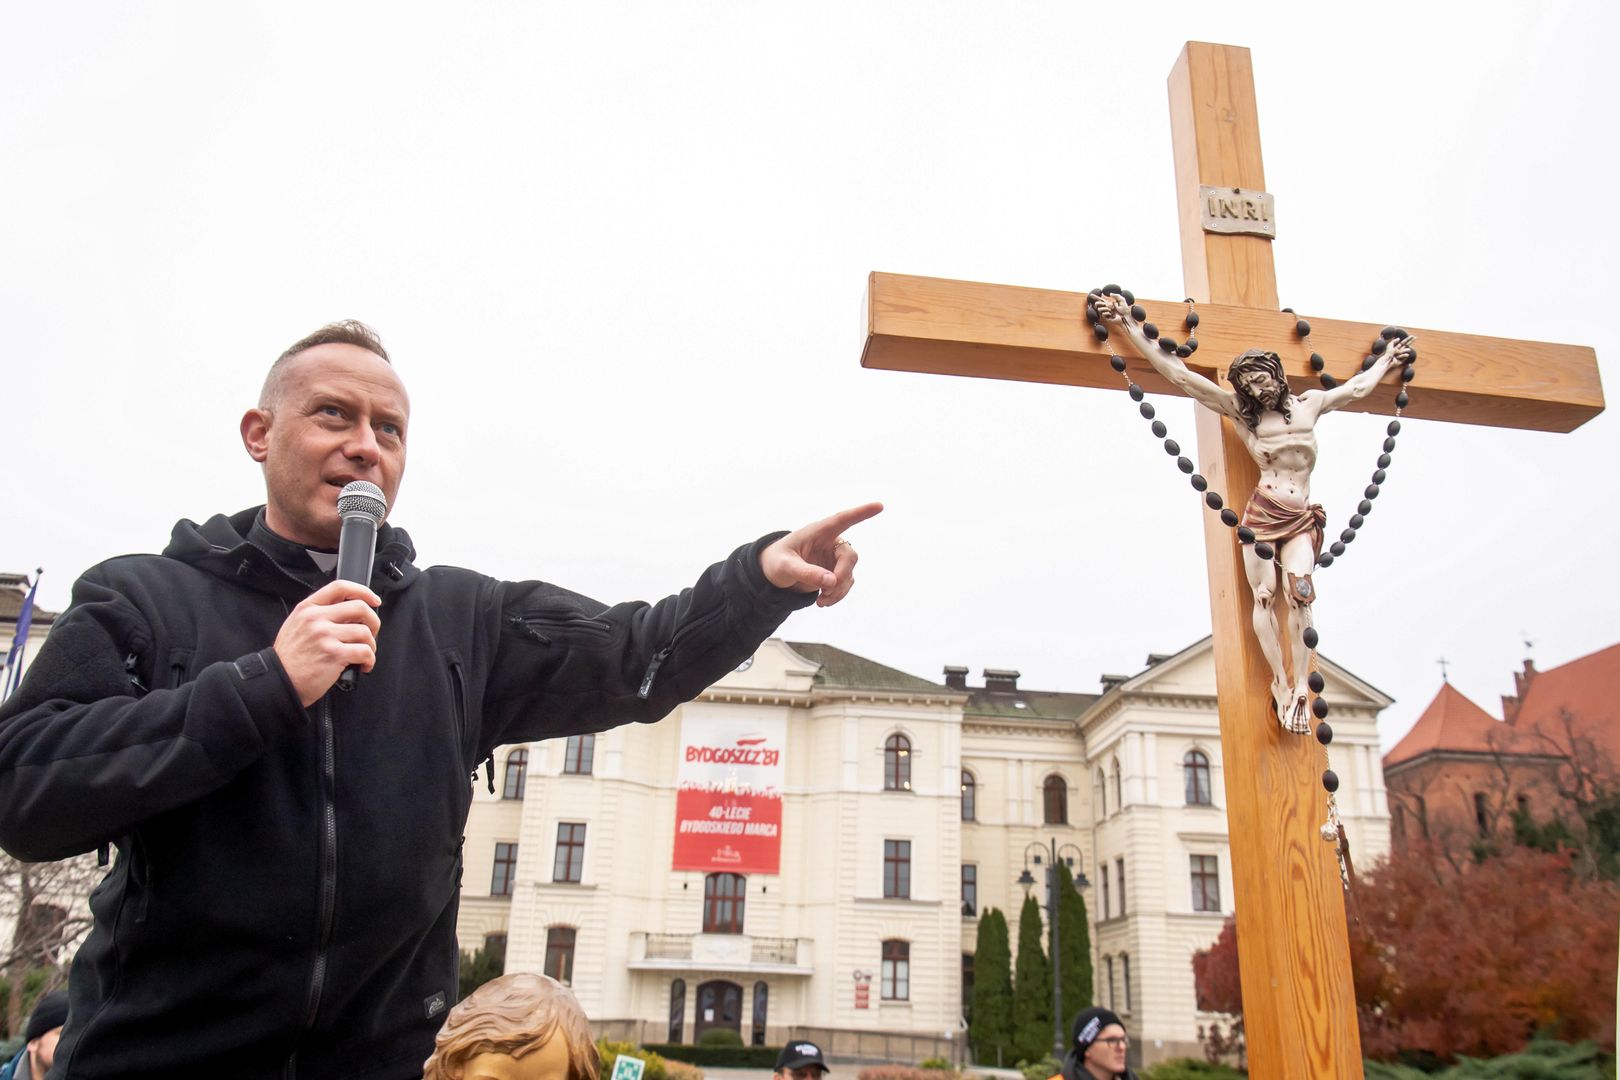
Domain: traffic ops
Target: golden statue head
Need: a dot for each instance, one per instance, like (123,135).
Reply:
(517,1027)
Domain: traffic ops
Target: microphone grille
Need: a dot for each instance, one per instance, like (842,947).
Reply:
(362,497)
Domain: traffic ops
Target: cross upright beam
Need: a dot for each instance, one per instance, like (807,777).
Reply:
(1299,1004)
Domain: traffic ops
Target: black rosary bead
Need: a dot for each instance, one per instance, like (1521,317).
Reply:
(1367,362)
(1336,548)
(1330,781)
(1172,447)
(1192,319)
(1379,476)
(1184,464)
(1263,550)
(1317,363)
(1117,362)
(1315,682)
(1324,733)
(1302,328)
(1168,344)
(1320,708)
(1159,430)
(1329,382)
(1379,346)
(1389,445)
(1146,410)
(1091,313)
(1324,560)
(1135,391)
(1191,346)
(1390,333)
(1394,428)
(1150,331)
(1309,637)
(1288,311)
(1383,461)
(1364,507)
(1100,330)
(1138,312)
(1245,534)
(1357,521)
(1348,536)
(1371,492)
(1183,351)
(1401,400)
(1229,518)
(1111,288)
(1130,297)
(1214,500)
(1199,483)
(1407,373)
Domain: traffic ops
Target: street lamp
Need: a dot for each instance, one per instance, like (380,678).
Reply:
(1033,851)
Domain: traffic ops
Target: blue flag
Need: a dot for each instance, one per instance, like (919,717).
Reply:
(19,643)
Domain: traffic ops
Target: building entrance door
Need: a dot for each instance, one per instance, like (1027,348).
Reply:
(719,1005)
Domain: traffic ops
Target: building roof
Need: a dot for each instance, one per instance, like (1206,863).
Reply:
(1021,704)
(845,670)
(13,591)
(1586,690)
(1452,722)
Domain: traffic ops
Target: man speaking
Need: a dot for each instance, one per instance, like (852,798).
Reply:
(284,898)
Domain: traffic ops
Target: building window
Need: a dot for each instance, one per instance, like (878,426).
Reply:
(1206,883)
(1119,799)
(500,882)
(517,771)
(970,808)
(1056,793)
(570,860)
(1099,791)
(495,949)
(896,971)
(1103,873)
(897,763)
(970,890)
(677,1011)
(762,994)
(560,954)
(967,987)
(1195,770)
(1481,818)
(723,899)
(579,755)
(1119,871)
(1108,969)
(1125,966)
(897,869)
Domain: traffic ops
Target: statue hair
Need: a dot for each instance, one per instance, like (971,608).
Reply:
(516,1015)
(1250,407)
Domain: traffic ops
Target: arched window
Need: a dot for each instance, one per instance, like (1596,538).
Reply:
(677,1011)
(517,772)
(1195,771)
(1056,793)
(1119,790)
(970,788)
(897,763)
(1099,792)
(723,899)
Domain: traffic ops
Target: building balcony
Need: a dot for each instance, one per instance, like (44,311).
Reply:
(721,952)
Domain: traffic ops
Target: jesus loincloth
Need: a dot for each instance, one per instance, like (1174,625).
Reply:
(1278,522)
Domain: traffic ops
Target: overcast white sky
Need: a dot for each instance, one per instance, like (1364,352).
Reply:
(618,253)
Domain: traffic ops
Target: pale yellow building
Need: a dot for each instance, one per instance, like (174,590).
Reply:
(907,808)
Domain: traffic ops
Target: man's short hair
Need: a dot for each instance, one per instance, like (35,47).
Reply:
(343,332)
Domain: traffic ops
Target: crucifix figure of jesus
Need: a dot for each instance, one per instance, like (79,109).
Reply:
(1278,429)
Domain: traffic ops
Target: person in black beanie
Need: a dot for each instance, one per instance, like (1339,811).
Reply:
(34,1060)
(1097,1046)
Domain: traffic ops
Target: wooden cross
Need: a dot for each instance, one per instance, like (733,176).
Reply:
(1298,1001)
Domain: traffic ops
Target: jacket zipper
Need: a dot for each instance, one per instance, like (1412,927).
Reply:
(661,655)
(317,978)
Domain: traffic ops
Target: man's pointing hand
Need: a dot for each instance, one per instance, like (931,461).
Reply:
(817,557)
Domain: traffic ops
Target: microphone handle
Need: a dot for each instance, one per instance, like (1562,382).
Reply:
(357,547)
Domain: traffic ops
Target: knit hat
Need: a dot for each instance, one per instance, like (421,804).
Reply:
(1087,1026)
(50,1013)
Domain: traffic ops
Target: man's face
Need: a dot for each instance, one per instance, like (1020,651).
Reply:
(803,1072)
(341,416)
(1106,1056)
(42,1051)
(1260,385)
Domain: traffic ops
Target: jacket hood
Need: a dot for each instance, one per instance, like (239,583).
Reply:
(220,546)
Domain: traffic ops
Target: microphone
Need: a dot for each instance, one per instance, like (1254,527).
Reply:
(362,506)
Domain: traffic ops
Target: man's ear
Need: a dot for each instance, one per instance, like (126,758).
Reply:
(256,434)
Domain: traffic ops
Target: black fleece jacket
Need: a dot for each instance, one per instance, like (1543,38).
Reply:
(284,899)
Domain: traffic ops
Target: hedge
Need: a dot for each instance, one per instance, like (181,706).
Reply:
(721,1057)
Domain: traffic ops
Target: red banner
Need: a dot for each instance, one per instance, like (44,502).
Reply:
(728,806)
